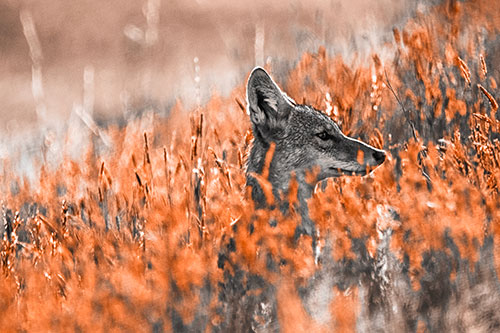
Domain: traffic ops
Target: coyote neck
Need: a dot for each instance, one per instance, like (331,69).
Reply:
(280,182)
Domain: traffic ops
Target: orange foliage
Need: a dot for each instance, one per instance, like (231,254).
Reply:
(116,239)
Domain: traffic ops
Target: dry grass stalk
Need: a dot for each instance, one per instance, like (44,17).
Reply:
(464,69)
(484,69)
(493,102)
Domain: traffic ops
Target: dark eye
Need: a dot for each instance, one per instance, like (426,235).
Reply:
(323,136)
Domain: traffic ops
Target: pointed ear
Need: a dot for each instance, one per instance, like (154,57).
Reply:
(267,106)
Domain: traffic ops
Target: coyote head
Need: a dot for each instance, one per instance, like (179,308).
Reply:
(305,139)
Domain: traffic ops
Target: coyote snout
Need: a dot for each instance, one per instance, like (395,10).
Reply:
(336,154)
(305,141)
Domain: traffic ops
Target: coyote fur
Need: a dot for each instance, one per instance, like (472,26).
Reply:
(306,142)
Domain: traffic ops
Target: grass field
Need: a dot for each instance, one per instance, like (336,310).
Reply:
(149,227)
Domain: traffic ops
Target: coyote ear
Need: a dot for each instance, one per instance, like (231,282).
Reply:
(267,106)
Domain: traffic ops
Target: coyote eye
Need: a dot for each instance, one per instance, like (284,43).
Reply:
(323,136)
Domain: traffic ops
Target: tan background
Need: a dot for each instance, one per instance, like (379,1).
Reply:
(108,37)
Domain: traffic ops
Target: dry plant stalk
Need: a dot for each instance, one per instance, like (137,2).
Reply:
(464,69)
(484,69)
(493,102)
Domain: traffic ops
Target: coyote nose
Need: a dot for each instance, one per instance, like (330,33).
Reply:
(379,156)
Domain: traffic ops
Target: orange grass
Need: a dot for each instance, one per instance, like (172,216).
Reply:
(138,230)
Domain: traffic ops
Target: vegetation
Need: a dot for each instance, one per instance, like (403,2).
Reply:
(158,232)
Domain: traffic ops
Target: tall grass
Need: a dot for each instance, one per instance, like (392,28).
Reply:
(158,233)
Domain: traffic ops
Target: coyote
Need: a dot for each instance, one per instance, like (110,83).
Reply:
(306,142)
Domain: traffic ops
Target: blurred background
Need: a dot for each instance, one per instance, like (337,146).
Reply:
(154,51)
(75,67)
